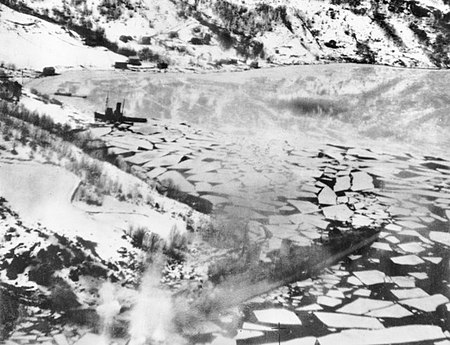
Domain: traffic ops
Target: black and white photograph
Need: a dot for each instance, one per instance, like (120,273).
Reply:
(224,172)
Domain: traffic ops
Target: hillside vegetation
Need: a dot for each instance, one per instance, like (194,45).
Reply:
(214,34)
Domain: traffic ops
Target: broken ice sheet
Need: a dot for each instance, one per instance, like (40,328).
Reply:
(381,246)
(440,237)
(362,292)
(361,181)
(393,227)
(304,206)
(370,277)
(426,304)
(327,196)
(411,225)
(409,293)
(361,221)
(339,212)
(404,281)
(335,294)
(275,316)
(394,312)
(340,273)
(392,239)
(255,327)
(309,307)
(411,260)
(342,183)
(304,283)
(433,259)
(386,336)
(328,301)
(354,281)
(412,247)
(364,305)
(419,275)
(244,334)
(336,320)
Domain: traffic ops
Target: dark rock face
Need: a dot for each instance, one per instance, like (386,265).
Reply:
(17,266)
(419,11)
(41,275)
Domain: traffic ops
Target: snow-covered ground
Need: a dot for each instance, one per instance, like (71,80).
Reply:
(29,42)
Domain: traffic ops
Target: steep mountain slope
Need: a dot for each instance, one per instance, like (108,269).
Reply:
(210,34)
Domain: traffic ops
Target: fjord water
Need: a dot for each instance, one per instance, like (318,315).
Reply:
(348,104)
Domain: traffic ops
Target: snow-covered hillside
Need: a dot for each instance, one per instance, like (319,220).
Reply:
(214,34)
(30,42)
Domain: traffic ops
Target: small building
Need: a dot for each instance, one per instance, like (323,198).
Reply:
(134,60)
(121,65)
(48,71)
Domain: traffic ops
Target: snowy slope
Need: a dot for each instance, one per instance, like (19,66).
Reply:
(34,43)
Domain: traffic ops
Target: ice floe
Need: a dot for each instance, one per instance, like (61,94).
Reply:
(309,307)
(342,183)
(433,259)
(338,212)
(327,196)
(393,227)
(394,312)
(247,334)
(362,292)
(370,277)
(255,327)
(440,237)
(336,320)
(361,181)
(426,304)
(304,206)
(409,293)
(328,301)
(275,316)
(412,247)
(381,246)
(408,260)
(419,275)
(392,335)
(362,306)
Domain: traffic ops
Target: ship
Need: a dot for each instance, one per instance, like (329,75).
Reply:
(117,116)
